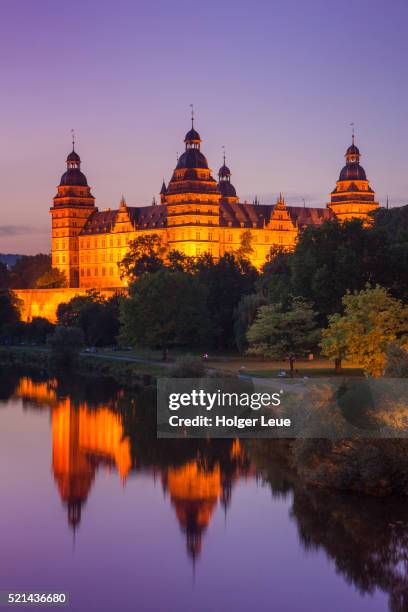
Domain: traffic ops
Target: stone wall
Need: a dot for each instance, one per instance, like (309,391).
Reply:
(44,302)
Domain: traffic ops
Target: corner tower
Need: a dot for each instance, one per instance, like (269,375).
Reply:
(352,197)
(72,207)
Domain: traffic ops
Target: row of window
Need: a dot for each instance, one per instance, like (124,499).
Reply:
(95,272)
(103,243)
(102,257)
(63,259)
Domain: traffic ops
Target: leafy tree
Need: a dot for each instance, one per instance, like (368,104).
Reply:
(165,309)
(52,279)
(4,276)
(334,340)
(226,281)
(332,259)
(396,365)
(145,254)
(244,316)
(176,260)
(27,269)
(38,329)
(9,309)
(65,344)
(372,320)
(275,279)
(97,317)
(245,249)
(392,227)
(283,334)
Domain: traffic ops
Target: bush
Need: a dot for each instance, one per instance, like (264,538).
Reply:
(65,344)
(396,365)
(187,367)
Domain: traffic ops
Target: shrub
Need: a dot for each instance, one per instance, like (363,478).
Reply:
(187,367)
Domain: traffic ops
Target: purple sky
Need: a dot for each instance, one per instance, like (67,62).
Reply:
(277,83)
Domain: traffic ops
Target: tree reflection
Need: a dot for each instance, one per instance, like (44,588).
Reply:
(366,537)
(97,424)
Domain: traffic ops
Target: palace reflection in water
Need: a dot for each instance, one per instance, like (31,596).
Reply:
(108,428)
(86,437)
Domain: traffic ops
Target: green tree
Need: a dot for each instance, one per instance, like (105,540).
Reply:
(4,276)
(52,279)
(372,320)
(145,254)
(9,309)
(96,316)
(176,260)
(244,316)
(226,281)
(396,365)
(38,329)
(275,281)
(165,309)
(65,344)
(27,269)
(335,340)
(245,249)
(284,334)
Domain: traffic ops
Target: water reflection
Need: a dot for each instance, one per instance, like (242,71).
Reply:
(96,424)
(89,434)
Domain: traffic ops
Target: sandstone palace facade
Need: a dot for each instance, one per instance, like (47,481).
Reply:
(196,215)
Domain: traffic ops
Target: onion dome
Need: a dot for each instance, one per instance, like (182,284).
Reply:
(353,150)
(73,176)
(224,181)
(192,158)
(192,136)
(224,171)
(227,189)
(74,157)
(352,171)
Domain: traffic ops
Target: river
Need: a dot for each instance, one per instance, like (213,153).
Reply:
(94,505)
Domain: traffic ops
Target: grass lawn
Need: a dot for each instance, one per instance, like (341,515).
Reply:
(305,372)
(270,369)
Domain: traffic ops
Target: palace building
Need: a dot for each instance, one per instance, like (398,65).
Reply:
(196,215)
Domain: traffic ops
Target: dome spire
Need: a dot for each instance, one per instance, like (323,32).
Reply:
(227,189)
(192,138)
(224,173)
(352,133)
(73,159)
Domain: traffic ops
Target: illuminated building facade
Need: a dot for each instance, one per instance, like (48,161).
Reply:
(196,215)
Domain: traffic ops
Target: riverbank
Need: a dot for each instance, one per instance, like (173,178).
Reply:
(130,372)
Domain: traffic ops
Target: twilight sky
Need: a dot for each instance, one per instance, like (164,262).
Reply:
(277,83)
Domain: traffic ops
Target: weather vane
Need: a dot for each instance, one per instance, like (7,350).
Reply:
(192,115)
(73,138)
(352,131)
(223,152)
